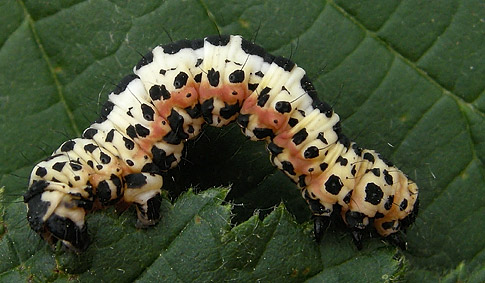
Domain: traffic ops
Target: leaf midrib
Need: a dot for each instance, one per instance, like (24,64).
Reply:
(52,72)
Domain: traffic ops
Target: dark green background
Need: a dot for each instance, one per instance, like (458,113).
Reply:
(406,77)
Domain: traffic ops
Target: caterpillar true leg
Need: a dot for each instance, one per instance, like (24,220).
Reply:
(320,223)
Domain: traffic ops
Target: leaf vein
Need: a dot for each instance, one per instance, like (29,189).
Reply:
(42,50)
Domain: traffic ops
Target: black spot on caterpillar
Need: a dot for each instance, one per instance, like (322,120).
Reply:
(174,91)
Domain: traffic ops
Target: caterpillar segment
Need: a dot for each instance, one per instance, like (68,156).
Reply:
(173,92)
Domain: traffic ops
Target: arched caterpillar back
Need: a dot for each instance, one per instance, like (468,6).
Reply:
(174,91)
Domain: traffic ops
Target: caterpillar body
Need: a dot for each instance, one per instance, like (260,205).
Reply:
(175,90)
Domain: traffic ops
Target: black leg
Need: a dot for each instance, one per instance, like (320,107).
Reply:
(357,238)
(320,224)
(398,240)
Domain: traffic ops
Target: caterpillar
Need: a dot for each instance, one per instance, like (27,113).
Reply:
(173,92)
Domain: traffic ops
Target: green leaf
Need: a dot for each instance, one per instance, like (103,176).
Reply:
(406,77)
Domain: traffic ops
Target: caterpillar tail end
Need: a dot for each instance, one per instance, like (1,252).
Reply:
(57,217)
(62,229)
